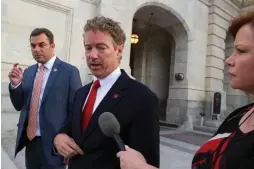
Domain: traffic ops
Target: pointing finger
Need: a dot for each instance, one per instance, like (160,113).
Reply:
(78,150)
(76,147)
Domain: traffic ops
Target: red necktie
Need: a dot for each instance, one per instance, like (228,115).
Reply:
(88,110)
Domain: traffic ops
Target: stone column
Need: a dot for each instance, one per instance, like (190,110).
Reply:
(217,27)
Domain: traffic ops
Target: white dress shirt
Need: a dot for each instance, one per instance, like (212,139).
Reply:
(47,70)
(105,85)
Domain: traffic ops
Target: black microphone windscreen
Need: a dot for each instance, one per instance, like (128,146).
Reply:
(109,124)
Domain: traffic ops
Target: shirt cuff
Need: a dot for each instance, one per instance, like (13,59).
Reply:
(14,87)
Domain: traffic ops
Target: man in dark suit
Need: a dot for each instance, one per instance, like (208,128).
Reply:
(44,93)
(112,90)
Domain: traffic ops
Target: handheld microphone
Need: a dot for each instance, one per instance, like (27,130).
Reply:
(111,128)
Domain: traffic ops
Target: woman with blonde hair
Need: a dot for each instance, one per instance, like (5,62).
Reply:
(232,146)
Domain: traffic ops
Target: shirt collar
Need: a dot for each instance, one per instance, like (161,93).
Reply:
(110,78)
(49,64)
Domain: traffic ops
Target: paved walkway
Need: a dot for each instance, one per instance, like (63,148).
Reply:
(177,146)
(6,162)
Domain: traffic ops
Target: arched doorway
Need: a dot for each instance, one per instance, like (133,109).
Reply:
(152,59)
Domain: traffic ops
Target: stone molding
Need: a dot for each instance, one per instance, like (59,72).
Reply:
(206,2)
(94,2)
(243,3)
(68,23)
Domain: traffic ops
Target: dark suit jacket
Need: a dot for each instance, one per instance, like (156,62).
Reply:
(136,110)
(55,105)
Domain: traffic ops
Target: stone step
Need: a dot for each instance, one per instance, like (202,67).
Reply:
(166,124)
(206,129)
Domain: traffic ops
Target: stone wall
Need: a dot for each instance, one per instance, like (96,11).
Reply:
(185,97)
(220,14)
(197,47)
(64,18)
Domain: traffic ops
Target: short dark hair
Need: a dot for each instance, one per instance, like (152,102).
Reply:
(238,22)
(39,31)
(103,24)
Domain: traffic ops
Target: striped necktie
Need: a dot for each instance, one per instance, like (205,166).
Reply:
(32,120)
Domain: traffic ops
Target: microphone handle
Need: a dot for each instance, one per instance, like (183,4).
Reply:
(119,142)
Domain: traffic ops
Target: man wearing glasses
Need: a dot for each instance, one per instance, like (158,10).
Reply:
(44,94)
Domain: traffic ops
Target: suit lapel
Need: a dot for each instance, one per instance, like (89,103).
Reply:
(30,80)
(115,94)
(53,74)
(32,75)
(79,117)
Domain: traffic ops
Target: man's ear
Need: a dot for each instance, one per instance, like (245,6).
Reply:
(53,45)
(119,50)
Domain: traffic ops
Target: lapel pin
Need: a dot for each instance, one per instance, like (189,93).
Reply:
(115,96)
(55,70)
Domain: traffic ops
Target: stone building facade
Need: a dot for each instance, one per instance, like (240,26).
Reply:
(180,53)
